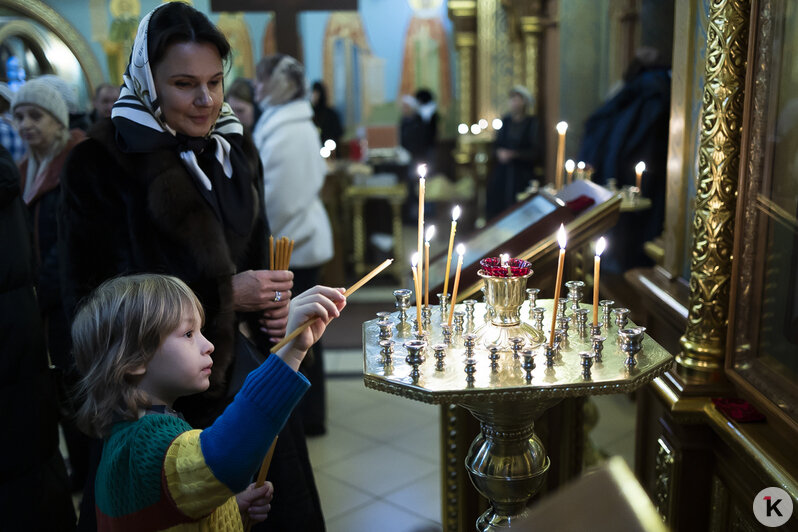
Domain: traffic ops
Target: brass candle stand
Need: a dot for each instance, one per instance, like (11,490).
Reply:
(504,373)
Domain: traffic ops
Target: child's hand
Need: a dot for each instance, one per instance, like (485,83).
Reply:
(320,302)
(253,502)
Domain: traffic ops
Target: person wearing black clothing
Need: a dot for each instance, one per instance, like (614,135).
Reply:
(325,117)
(518,145)
(34,489)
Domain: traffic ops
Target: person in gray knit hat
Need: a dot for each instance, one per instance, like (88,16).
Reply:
(42,119)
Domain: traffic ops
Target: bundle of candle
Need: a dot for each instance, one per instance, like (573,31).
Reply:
(280,253)
(500,267)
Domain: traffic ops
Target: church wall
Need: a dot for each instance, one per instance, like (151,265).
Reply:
(384,25)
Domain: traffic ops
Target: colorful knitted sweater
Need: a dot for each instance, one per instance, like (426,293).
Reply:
(157,473)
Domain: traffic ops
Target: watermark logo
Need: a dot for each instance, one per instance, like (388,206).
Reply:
(772,507)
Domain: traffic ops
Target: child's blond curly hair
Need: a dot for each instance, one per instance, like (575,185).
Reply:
(118,329)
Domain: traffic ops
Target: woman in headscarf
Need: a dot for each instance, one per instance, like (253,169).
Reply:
(170,184)
(293,175)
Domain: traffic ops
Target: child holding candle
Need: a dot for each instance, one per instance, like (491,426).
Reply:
(138,342)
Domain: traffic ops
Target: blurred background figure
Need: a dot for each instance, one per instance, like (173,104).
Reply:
(241,97)
(9,138)
(519,149)
(104,98)
(428,111)
(42,118)
(78,118)
(34,489)
(293,175)
(325,117)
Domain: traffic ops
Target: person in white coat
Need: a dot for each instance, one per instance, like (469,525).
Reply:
(293,175)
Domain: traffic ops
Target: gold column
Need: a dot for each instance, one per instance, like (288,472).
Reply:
(532,28)
(463,16)
(703,343)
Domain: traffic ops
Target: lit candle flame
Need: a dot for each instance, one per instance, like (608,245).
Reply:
(330,144)
(460,249)
(462,129)
(422,170)
(455,213)
(414,260)
(600,246)
(640,167)
(429,233)
(581,165)
(570,165)
(562,127)
(561,236)
(497,123)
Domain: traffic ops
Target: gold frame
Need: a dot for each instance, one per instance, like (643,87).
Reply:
(764,387)
(77,44)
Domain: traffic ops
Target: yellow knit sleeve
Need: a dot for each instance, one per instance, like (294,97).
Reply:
(189,481)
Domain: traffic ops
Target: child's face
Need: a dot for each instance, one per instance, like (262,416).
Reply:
(181,365)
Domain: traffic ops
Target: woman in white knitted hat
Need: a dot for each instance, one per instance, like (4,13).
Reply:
(41,116)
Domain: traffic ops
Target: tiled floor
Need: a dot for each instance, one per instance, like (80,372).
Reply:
(379,463)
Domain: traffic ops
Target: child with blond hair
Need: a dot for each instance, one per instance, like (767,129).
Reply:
(138,343)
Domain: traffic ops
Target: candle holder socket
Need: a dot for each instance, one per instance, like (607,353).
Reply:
(440,355)
(447,334)
(549,352)
(598,346)
(606,309)
(529,362)
(575,293)
(538,314)
(621,317)
(631,343)
(443,304)
(386,329)
(386,349)
(587,363)
(402,296)
(426,317)
(516,344)
(470,369)
(459,321)
(415,357)
(493,356)
(532,298)
(581,320)
(595,330)
(470,304)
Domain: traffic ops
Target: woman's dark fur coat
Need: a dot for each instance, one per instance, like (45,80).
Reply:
(133,213)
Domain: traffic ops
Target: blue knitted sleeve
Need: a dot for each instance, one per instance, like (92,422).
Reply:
(236,443)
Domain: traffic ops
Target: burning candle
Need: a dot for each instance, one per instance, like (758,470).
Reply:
(562,127)
(561,239)
(570,165)
(600,245)
(455,216)
(505,259)
(430,232)
(422,173)
(460,253)
(639,169)
(417,287)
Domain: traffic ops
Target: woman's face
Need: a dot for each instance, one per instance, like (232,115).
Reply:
(244,110)
(189,81)
(38,128)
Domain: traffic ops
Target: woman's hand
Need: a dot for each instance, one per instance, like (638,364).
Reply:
(254,502)
(255,290)
(320,302)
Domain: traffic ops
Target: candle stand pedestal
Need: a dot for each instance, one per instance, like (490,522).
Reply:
(506,462)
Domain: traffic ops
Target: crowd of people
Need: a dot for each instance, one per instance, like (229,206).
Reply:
(142,287)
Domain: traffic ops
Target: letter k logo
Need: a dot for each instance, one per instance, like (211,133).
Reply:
(772,506)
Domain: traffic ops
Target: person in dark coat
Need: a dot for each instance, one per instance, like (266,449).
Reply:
(170,184)
(34,489)
(519,149)
(633,126)
(42,117)
(325,117)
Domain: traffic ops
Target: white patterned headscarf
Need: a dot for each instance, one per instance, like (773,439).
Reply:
(138,117)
